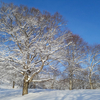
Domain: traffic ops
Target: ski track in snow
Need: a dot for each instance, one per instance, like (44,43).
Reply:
(42,94)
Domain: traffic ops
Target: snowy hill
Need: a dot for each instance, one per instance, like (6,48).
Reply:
(40,94)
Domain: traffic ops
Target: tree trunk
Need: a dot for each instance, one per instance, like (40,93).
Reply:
(71,80)
(90,81)
(34,86)
(91,85)
(52,85)
(25,85)
(13,84)
(70,84)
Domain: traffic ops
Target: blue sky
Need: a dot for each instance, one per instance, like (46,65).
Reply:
(83,16)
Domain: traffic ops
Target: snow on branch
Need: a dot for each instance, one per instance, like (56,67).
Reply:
(43,80)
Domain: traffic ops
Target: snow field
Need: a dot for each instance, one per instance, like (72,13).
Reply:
(42,94)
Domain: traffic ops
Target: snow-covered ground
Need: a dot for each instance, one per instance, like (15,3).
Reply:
(40,94)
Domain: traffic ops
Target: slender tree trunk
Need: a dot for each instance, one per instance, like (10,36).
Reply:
(34,86)
(25,85)
(71,80)
(90,81)
(13,84)
(91,85)
(70,84)
(52,85)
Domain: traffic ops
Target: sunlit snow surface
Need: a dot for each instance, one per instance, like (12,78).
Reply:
(42,94)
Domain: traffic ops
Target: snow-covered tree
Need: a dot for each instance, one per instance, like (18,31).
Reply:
(93,59)
(33,39)
(74,56)
(8,74)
